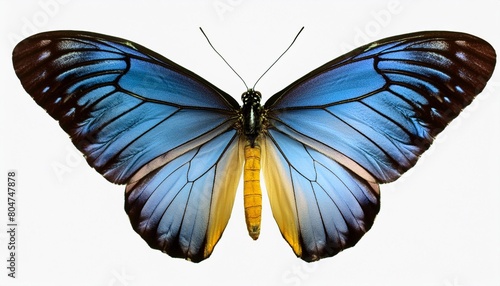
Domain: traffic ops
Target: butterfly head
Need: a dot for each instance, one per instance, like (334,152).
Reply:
(251,98)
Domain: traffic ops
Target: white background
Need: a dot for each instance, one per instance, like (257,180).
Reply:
(438,225)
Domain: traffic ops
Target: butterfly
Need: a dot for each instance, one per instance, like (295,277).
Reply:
(324,143)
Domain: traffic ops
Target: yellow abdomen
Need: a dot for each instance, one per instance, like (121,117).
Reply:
(251,190)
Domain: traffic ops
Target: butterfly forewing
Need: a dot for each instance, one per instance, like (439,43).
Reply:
(122,104)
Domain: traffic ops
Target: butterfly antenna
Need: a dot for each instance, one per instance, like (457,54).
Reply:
(223,58)
(279,57)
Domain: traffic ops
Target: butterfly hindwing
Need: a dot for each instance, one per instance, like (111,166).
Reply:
(321,207)
(360,120)
(183,207)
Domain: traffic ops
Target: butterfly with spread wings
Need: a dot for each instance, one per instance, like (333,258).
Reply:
(324,143)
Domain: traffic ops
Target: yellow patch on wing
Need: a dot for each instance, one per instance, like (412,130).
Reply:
(281,197)
(226,181)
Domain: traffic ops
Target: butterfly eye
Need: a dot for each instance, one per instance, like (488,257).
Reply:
(258,95)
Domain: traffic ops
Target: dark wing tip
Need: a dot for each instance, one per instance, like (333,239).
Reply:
(25,57)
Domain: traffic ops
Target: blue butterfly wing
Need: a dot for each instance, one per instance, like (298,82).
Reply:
(136,115)
(321,206)
(183,207)
(360,120)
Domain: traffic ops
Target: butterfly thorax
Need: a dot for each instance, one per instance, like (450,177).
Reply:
(251,115)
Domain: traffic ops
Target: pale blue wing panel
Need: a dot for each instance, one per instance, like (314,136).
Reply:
(183,207)
(321,207)
(379,107)
(122,104)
